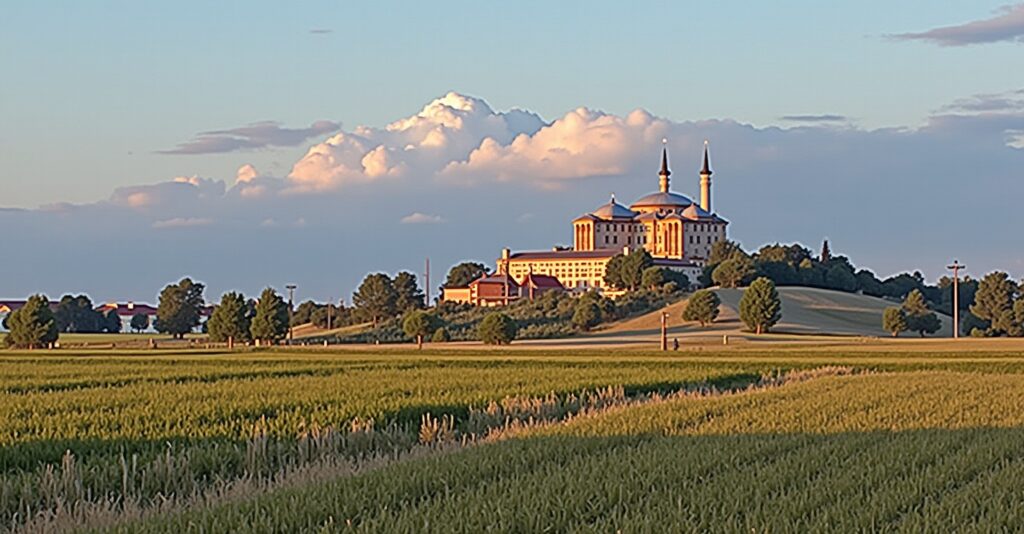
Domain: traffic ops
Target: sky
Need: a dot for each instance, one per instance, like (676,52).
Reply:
(254,144)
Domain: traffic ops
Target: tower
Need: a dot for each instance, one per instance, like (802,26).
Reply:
(705,182)
(664,172)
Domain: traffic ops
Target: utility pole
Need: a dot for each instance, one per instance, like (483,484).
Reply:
(291,300)
(664,331)
(330,305)
(956,296)
(426,284)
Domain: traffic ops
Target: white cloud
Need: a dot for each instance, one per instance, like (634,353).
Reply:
(447,129)
(421,218)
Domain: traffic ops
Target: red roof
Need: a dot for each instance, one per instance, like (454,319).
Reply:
(127,309)
(542,281)
(496,279)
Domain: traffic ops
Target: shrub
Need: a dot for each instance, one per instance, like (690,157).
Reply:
(497,329)
(702,307)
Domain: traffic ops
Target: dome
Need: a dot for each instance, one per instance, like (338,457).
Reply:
(695,212)
(613,210)
(667,199)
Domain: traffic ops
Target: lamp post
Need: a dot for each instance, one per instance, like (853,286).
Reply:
(291,299)
(956,296)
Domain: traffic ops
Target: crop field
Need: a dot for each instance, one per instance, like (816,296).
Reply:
(767,438)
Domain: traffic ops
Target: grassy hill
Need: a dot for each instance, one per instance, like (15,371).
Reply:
(805,311)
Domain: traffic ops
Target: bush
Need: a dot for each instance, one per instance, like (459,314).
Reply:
(441,335)
(497,329)
(587,315)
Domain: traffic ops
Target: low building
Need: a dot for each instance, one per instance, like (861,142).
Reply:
(125,311)
(493,290)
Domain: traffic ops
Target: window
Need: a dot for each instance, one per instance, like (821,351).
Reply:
(615,240)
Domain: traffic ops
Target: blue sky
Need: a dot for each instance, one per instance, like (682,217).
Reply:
(95,93)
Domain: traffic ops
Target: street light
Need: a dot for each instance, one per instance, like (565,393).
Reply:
(291,298)
(956,296)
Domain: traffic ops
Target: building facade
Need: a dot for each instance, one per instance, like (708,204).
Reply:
(676,231)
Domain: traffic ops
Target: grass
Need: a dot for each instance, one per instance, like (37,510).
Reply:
(298,439)
(906,452)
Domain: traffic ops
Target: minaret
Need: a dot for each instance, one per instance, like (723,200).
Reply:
(705,182)
(664,172)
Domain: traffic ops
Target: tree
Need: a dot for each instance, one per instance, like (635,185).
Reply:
(840,277)
(734,272)
(725,250)
(586,315)
(407,293)
(894,320)
(625,271)
(464,273)
(441,335)
(419,324)
(761,307)
(139,322)
(497,329)
(180,308)
(271,321)
(971,323)
(993,302)
(826,253)
(304,312)
(32,326)
(77,314)
(375,298)
(918,316)
(653,277)
(230,321)
(702,307)
(112,322)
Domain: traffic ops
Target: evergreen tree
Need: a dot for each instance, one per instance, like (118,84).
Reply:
(32,326)
(761,307)
(419,324)
(375,298)
(970,324)
(734,272)
(894,320)
(725,250)
(993,302)
(702,307)
(304,312)
(140,322)
(625,271)
(826,253)
(180,308)
(270,324)
(230,322)
(464,273)
(407,293)
(497,329)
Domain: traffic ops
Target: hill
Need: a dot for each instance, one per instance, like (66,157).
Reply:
(805,311)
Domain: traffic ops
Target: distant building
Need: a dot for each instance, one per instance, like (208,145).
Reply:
(676,231)
(128,310)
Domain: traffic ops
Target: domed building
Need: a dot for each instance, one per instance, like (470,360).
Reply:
(676,231)
(667,224)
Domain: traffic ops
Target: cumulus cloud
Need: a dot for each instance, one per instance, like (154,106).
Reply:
(445,130)
(254,136)
(421,218)
(1007,24)
(182,222)
(772,183)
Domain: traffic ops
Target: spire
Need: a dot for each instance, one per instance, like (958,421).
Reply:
(664,172)
(706,168)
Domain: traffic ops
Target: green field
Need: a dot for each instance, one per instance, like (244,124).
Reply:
(899,436)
